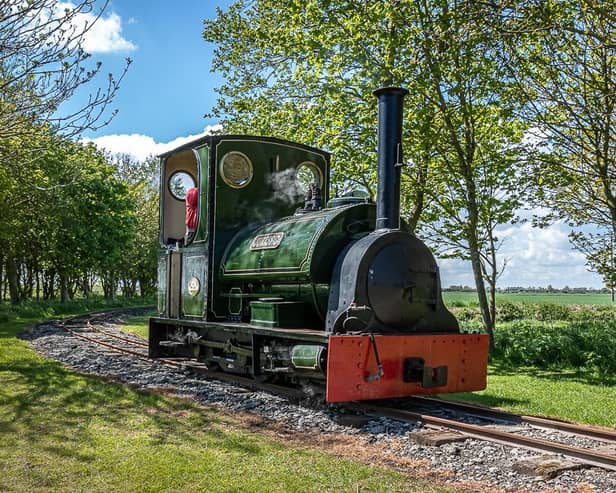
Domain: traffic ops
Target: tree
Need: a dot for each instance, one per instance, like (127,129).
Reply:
(64,216)
(43,63)
(139,262)
(563,56)
(306,70)
(479,139)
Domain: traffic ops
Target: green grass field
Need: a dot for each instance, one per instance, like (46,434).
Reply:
(138,325)
(64,432)
(469,298)
(572,395)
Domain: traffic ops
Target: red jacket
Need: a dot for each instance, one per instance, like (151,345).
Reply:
(192,197)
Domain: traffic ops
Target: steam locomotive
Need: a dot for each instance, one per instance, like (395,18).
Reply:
(276,280)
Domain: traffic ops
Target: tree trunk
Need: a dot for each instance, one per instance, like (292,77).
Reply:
(484,305)
(86,289)
(72,287)
(11,274)
(109,286)
(146,287)
(416,210)
(473,247)
(29,280)
(1,278)
(64,295)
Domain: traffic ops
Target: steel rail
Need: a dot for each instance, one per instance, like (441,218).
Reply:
(80,335)
(136,342)
(188,364)
(586,456)
(573,428)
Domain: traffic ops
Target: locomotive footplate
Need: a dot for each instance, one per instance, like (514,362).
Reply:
(406,365)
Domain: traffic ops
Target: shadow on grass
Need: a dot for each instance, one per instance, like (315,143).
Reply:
(47,407)
(14,318)
(580,375)
(487,399)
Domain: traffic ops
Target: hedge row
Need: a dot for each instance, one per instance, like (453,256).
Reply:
(587,344)
(548,335)
(544,312)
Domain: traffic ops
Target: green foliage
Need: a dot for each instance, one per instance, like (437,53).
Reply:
(140,252)
(550,335)
(600,313)
(552,345)
(506,311)
(548,312)
(69,219)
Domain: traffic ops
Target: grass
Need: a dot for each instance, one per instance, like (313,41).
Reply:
(64,432)
(573,395)
(452,298)
(31,311)
(138,325)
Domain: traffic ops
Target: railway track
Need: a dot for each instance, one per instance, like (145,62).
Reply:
(511,418)
(491,428)
(139,349)
(593,457)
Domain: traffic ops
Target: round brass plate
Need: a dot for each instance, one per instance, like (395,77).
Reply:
(236,169)
(194,286)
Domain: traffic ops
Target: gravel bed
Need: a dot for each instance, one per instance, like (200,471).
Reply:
(470,460)
(526,429)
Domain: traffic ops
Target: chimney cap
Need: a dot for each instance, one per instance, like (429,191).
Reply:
(390,90)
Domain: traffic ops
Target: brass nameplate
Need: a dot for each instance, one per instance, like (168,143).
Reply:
(268,241)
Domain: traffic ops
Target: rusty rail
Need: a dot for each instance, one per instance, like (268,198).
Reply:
(479,411)
(586,456)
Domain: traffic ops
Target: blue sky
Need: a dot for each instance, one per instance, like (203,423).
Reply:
(169,88)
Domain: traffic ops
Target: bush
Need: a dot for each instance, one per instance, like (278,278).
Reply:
(550,312)
(506,311)
(467,313)
(576,344)
(603,313)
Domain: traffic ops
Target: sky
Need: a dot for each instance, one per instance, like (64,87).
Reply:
(169,88)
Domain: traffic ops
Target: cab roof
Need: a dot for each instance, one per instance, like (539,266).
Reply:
(210,140)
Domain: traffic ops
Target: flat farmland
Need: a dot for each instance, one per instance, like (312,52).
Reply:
(453,298)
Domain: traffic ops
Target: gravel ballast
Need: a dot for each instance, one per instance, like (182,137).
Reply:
(466,462)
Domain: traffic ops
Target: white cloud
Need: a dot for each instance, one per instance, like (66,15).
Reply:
(535,257)
(105,33)
(142,146)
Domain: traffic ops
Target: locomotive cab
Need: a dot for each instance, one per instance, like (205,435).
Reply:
(235,183)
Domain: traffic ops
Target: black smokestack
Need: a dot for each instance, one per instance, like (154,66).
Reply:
(389,155)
